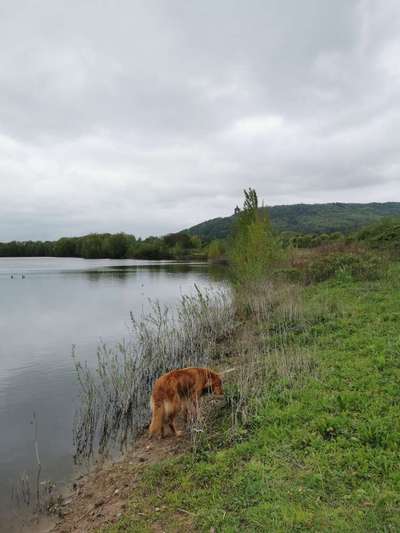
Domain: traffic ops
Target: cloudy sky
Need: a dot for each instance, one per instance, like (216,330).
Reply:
(150,116)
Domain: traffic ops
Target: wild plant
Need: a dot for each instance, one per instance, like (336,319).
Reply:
(114,397)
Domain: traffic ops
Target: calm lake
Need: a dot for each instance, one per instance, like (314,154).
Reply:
(47,305)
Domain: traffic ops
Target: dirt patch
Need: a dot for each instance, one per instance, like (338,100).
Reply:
(100,498)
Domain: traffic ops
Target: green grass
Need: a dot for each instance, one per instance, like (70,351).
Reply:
(323,457)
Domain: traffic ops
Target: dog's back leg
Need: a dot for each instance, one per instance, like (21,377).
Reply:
(172,409)
(157,420)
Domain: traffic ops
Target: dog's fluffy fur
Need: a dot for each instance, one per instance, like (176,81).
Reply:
(180,391)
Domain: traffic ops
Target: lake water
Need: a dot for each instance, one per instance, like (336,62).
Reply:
(47,305)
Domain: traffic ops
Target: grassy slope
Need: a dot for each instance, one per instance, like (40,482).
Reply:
(321,458)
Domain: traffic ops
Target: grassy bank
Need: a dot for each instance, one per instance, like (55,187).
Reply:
(318,453)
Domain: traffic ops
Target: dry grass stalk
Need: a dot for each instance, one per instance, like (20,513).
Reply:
(115,397)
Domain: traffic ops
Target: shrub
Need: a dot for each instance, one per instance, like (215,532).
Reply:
(253,248)
(361,266)
(216,251)
(384,235)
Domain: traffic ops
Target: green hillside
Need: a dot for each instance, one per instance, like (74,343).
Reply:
(307,218)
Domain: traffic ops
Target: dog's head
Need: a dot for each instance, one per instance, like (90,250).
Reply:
(216,384)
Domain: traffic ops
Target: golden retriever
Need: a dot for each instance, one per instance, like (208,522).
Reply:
(180,390)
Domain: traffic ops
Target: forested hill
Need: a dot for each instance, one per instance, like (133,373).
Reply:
(307,218)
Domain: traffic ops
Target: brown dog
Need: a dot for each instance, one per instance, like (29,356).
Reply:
(180,390)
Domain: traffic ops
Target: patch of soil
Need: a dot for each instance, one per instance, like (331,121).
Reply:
(100,498)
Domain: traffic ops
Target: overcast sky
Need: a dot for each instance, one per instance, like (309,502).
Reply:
(150,116)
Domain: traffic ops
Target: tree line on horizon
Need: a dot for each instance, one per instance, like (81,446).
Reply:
(384,233)
(305,219)
(108,246)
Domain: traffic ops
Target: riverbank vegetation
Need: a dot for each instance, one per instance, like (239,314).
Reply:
(307,437)
(317,448)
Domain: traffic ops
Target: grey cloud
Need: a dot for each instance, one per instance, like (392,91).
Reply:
(151,116)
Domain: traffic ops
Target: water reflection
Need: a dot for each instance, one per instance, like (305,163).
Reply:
(122,272)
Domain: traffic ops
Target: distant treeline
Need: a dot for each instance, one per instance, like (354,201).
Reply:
(112,246)
(384,234)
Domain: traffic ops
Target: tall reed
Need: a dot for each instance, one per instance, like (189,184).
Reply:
(114,406)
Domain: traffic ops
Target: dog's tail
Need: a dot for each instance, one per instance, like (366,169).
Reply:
(157,419)
(228,371)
